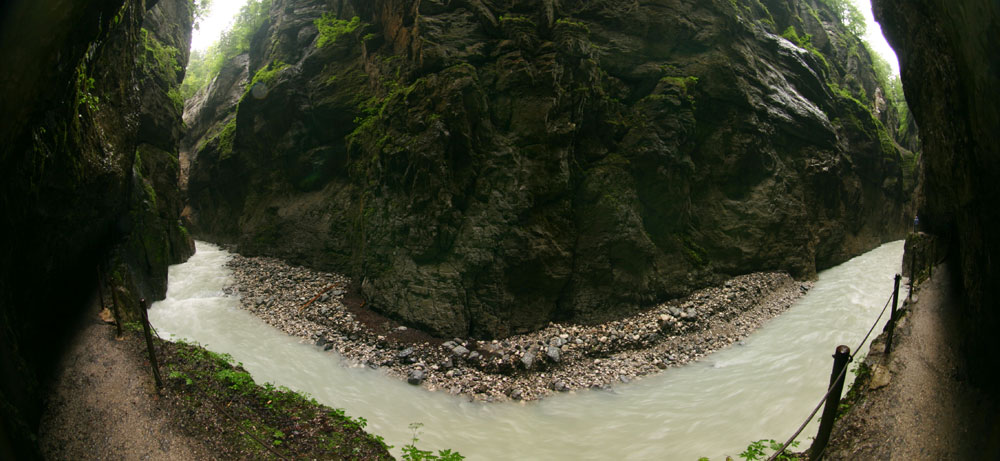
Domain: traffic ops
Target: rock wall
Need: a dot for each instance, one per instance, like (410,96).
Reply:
(139,264)
(484,167)
(75,111)
(949,66)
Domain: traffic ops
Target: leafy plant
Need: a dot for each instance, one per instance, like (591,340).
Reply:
(180,375)
(238,380)
(85,88)
(758,450)
(412,453)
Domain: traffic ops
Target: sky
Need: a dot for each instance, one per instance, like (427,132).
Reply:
(873,35)
(220,16)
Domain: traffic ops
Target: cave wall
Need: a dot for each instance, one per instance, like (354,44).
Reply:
(73,195)
(482,168)
(951,74)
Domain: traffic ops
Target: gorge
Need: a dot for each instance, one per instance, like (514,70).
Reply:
(480,168)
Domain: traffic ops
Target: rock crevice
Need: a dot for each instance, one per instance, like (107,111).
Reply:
(482,169)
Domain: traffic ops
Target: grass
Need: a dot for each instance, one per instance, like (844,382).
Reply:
(213,399)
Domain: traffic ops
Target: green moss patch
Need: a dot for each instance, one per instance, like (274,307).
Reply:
(331,28)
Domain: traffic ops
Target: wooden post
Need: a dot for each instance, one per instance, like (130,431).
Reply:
(892,315)
(840,359)
(149,343)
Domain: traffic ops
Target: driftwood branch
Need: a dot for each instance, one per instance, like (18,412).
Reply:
(315,298)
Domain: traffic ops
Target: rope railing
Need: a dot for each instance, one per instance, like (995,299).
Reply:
(836,381)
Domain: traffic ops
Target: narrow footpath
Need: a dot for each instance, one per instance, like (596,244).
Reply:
(918,405)
(103,404)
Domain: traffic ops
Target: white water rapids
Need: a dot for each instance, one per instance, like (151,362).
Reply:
(763,388)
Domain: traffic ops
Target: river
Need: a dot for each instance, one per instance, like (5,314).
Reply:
(763,387)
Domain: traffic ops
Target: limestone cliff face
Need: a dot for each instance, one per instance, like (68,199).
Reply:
(158,239)
(484,167)
(949,66)
(80,109)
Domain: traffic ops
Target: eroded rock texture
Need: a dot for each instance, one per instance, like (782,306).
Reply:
(951,73)
(80,107)
(484,167)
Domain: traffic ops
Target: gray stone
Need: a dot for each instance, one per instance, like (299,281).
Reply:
(528,359)
(553,353)
(459,351)
(416,377)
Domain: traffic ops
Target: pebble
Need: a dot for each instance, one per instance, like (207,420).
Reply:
(557,358)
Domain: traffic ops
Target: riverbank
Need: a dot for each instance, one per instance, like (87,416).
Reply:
(917,403)
(104,405)
(321,308)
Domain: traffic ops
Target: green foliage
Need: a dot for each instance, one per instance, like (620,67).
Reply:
(861,370)
(842,92)
(695,253)
(849,15)
(686,85)
(204,66)
(805,41)
(374,108)
(174,374)
(85,88)
(412,453)
(158,58)
(226,138)
(240,381)
(267,73)
(331,28)
(757,451)
(175,97)
(199,8)
(573,24)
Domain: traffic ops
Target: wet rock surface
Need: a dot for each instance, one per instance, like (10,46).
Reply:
(490,167)
(557,358)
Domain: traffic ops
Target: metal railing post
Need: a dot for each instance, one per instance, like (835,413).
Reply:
(892,315)
(149,343)
(840,359)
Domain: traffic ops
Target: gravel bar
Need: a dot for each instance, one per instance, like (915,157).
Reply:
(558,358)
